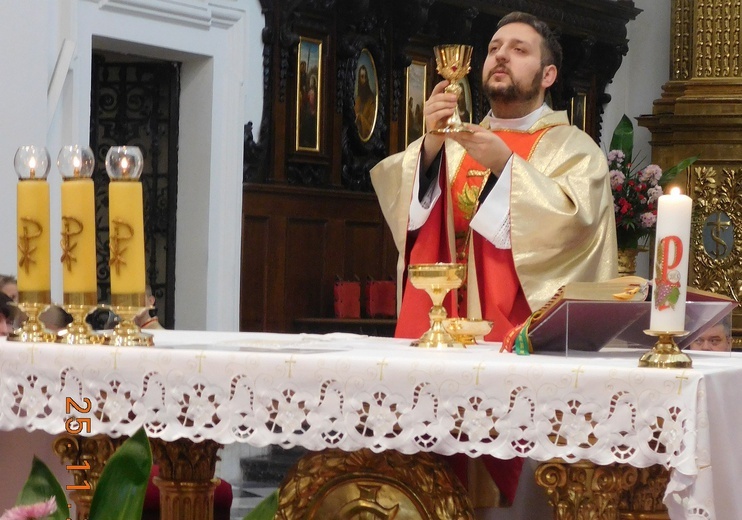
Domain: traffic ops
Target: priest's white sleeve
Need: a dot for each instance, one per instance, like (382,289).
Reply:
(420,210)
(492,219)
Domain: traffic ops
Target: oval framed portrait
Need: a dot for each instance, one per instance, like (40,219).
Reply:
(366,99)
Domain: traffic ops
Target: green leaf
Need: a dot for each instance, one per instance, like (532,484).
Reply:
(670,174)
(41,485)
(623,138)
(673,297)
(266,509)
(123,482)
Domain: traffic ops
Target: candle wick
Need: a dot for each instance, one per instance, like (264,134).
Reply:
(32,173)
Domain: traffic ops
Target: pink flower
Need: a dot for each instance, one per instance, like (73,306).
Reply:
(648,219)
(616,156)
(617,179)
(654,194)
(37,511)
(651,173)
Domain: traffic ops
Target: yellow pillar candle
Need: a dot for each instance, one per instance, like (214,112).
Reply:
(126,235)
(34,265)
(126,225)
(34,278)
(78,237)
(76,164)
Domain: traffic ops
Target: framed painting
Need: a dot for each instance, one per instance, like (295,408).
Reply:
(465,103)
(366,100)
(577,110)
(308,94)
(415,93)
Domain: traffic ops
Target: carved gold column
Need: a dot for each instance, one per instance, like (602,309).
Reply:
(643,501)
(93,452)
(700,113)
(585,490)
(186,479)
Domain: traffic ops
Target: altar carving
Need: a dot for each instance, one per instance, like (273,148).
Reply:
(336,484)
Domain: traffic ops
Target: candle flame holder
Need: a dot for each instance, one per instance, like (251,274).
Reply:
(32,304)
(79,332)
(127,333)
(665,353)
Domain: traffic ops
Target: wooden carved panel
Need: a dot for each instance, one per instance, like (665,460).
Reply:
(296,243)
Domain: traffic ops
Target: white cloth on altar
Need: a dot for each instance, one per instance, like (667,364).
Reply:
(350,392)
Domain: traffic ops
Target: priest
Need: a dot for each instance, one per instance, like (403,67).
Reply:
(523,199)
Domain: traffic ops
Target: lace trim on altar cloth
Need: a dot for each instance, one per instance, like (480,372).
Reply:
(473,407)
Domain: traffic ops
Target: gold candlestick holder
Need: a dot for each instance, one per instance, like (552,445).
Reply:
(32,304)
(437,280)
(665,353)
(127,333)
(79,332)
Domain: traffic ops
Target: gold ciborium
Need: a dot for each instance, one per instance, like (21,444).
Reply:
(437,280)
(453,63)
(467,330)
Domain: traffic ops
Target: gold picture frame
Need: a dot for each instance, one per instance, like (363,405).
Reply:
(308,95)
(577,112)
(366,95)
(416,92)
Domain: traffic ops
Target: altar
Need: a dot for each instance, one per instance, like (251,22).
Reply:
(350,392)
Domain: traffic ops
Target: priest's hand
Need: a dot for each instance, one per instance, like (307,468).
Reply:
(485,147)
(438,108)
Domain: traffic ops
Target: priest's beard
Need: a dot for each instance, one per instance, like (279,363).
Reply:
(515,92)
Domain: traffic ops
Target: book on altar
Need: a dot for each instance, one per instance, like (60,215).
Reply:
(587,316)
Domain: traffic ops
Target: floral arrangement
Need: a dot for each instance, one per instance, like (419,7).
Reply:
(635,190)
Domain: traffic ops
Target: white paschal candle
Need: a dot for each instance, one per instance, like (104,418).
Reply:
(671,262)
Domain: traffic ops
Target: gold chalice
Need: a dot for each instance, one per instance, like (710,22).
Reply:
(467,330)
(454,63)
(437,280)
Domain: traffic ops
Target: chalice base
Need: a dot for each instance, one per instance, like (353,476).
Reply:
(437,337)
(665,353)
(33,330)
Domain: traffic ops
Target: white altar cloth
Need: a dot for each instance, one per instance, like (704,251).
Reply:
(350,392)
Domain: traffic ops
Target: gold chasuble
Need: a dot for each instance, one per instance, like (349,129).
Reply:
(562,229)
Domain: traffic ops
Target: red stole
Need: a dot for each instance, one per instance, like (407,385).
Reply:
(500,294)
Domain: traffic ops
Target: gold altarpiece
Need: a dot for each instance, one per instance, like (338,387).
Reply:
(700,113)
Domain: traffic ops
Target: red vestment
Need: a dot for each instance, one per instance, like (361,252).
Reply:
(501,297)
